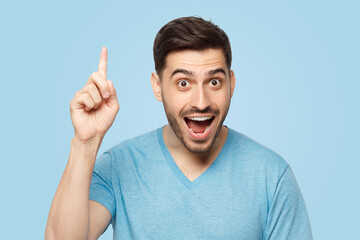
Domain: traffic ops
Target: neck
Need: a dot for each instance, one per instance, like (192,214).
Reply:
(176,147)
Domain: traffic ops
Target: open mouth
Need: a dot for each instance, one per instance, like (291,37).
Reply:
(199,125)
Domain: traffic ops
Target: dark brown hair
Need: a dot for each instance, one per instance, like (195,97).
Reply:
(192,33)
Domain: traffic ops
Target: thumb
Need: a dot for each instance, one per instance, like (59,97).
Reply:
(112,100)
(112,89)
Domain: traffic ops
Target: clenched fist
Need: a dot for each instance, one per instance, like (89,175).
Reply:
(93,109)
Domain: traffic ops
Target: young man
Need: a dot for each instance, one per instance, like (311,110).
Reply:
(192,179)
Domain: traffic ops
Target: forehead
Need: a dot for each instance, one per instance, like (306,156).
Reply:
(195,60)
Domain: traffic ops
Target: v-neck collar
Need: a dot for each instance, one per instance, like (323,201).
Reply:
(205,175)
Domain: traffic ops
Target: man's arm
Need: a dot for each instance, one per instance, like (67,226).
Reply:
(287,217)
(99,219)
(93,110)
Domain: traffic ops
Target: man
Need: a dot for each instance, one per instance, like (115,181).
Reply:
(192,179)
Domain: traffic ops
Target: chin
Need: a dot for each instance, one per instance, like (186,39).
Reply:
(196,144)
(198,147)
(196,130)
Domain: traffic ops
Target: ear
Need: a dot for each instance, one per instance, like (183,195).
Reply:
(232,82)
(156,86)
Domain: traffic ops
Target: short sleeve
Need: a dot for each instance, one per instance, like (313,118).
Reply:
(287,217)
(101,189)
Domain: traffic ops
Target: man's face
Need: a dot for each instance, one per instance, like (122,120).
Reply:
(196,89)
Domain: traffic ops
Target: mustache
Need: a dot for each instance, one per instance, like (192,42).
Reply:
(198,111)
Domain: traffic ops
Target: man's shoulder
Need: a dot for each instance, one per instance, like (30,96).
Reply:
(252,152)
(140,142)
(143,144)
(133,153)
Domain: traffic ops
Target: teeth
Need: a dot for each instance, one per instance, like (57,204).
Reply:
(199,118)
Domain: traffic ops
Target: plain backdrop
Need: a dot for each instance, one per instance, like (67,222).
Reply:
(297,69)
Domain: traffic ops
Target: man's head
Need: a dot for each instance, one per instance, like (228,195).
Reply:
(189,33)
(193,80)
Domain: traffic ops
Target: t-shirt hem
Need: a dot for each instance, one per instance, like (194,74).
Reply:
(107,205)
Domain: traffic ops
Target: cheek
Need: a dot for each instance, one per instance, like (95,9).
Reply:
(221,99)
(175,102)
(177,98)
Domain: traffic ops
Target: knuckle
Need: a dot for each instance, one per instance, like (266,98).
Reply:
(83,96)
(92,87)
(88,102)
(97,101)
(98,79)
(77,94)
(71,103)
(94,75)
(86,88)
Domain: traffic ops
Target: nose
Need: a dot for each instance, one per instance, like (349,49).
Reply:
(200,99)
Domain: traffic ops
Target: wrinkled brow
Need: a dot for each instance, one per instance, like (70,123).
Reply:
(191,74)
(184,71)
(215,71)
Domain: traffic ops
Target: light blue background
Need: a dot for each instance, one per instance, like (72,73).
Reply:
(297,68)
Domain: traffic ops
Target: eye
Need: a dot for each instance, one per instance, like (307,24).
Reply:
(183,83)
(215,82)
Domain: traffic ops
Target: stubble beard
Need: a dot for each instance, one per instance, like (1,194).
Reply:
(175,125)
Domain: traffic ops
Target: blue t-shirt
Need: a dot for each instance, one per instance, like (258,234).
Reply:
(249,192)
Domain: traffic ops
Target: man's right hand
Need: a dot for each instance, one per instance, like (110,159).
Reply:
(93,109)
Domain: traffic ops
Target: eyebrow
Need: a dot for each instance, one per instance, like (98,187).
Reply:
(186,72)
(215,71)
(191,74)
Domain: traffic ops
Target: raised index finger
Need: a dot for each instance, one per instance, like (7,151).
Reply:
(103,62)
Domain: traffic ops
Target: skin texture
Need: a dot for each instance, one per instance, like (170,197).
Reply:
(191,87)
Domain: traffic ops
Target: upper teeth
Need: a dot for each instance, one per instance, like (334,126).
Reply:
(199,118)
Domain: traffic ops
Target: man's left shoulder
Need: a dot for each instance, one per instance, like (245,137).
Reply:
(251,152)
